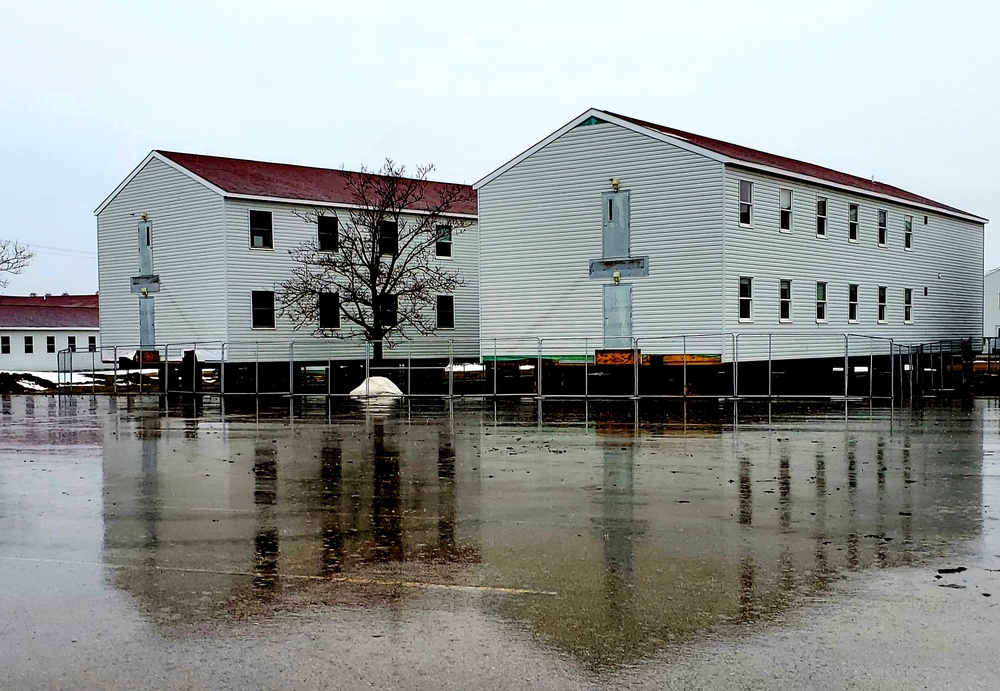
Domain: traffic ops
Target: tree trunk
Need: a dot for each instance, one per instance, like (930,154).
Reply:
(377,353)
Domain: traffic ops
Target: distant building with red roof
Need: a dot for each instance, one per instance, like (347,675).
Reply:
(34,328)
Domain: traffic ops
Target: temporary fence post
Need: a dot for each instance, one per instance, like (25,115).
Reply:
(222,369)
(539,373)
(256,368)
(736,364)
(451,367)
(93,373)
(684,367)
(909,357)
(635,367)
(291,368)
(409,367)
(871,369)
(892,374)
(770,367)
(367,369)
(847,348)
(114,354)
(494,368)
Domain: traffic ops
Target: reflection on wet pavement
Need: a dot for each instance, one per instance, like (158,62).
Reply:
(609,539)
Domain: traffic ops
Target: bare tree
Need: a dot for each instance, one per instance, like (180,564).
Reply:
(14,258)
(381,266)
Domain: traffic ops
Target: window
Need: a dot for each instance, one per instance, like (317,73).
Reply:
(785,300)
(29,344)
(329,310)
(821,302)
(852,222)
(92,343)
(908,305)
(327,233)
(445,312)
(746,298)
(390,310)
(852,303)
(4,345)
(50,344)
(821,217)
(71,343)
(883,226)
(881,304)
(907,232)
(785,210)
(442,248)
(261,235)
(746,203)
(262,309)
(388,237)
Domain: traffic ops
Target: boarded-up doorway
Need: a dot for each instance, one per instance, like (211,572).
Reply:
(618,316)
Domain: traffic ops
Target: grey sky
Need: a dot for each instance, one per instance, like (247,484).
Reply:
(905,91)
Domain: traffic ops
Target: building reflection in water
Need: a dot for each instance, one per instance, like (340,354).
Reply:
(649,535)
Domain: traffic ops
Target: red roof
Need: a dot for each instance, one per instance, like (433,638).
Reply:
(752,156)
(285,181)
(49,311)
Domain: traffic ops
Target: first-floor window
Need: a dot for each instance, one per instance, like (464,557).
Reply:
(821,302)
(746,298)
(262,309)
(882,292)
(390,310)
(92,343)
(329,310)
(4,345)
(785,300)
(29,344)
(445,311)
(907,305)
(71,343)
(852,302)
(50,344)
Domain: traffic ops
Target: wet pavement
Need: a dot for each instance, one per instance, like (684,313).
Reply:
(496,546)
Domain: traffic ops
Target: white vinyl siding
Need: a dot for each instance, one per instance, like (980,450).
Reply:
(189,257)
(541,224)
(946,260)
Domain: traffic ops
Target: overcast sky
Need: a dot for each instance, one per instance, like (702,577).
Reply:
(905,91)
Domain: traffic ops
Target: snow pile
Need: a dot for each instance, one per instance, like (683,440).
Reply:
(377,386)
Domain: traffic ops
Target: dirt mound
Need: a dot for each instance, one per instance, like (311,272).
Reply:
(11,382)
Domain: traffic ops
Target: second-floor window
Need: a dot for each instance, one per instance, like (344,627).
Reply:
(71,343)
(821,217)
(50,344)
(4,345)
(442,246)
(327,233)
(883,226)
(261,230)
(92,344)
(907,232)
(388,237)
(29,344)
(785,210)
(746,203)
(852,222)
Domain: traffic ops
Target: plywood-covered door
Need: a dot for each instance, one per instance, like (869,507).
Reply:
(618,316)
